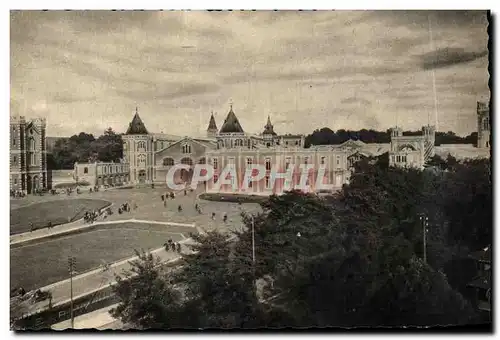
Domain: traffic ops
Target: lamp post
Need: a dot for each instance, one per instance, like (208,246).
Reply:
(71,266)
(425,223)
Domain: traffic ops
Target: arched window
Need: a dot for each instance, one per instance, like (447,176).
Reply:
(141,146)
(186,148)
(187,160)
(31,144)
(168,161)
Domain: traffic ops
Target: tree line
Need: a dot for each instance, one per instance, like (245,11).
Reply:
(328,136)
(352,259)
(85,147)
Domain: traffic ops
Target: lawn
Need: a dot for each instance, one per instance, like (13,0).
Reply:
(56,212)
(38,265)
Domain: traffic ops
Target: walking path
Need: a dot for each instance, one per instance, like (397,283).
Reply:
(99,319)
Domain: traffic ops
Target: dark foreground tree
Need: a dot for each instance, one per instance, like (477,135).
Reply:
(147,300)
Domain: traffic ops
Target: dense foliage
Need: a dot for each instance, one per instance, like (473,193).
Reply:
(328,136)
(355,259)
(85,147)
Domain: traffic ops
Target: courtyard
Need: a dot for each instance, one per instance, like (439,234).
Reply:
(45,262)
(36,265)
(56,212)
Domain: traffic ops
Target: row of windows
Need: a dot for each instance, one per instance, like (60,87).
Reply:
(186,160)
(268,162)
(266,179)
(399,159)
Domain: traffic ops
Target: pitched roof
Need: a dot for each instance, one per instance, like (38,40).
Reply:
(136,126)
(268,129)
(231,123)
(211,124)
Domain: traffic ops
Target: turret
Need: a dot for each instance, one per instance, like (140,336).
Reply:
(212,127)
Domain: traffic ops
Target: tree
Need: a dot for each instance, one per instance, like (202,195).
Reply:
(146,299)
(109,146)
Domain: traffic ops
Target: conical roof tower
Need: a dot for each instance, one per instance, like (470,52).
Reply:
(212,127)
(136,126)
(269,129)
(231,123)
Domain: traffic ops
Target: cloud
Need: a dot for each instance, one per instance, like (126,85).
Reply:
(344,69)
(448,56)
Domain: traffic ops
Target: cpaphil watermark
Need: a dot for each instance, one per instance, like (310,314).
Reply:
(303,177)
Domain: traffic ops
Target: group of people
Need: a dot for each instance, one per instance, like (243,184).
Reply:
(90,216)
(125,207)
(17,193)
(171,245)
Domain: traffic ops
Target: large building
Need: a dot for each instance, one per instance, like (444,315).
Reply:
(102,173)
(151,156)
(28,155)
(483,125)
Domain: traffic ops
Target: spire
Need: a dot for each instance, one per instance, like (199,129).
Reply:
(212,125)
(268,128)
(231,123)
(136,126)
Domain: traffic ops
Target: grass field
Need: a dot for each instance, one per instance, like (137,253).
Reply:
(38,265)
(57,212)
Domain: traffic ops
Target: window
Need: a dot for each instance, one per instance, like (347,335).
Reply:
(268,164)
(14,141)
(393,159)
(216,177)
(104,169)
(268,144)
(186,148)
(141,159)
(85,170)
(31,144)
(286,143)
(15,159)
(141,146)
(287,162)
(338,160)
(404,158)
(168,161)
(323,160)
(249,162)
(398,158)
(238,142)
(306,160)
(15,180)
(296,142)
(215,163)
(268,183)
(187,161)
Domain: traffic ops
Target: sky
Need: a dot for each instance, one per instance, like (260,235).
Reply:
(89,70)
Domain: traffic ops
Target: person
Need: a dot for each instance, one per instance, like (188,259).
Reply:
(179,248)
(165,203)
(225,218)
(166,245)
(185,192)
(31,227)
(213,216)
(50,225)
(163,197)
(196,207)
(179,208)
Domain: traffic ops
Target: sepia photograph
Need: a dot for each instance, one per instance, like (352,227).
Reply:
(178,170)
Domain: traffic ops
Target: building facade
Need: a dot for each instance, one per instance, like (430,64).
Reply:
(412,151)
(151,156)
(102,173)
(483,125)
(28,154)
